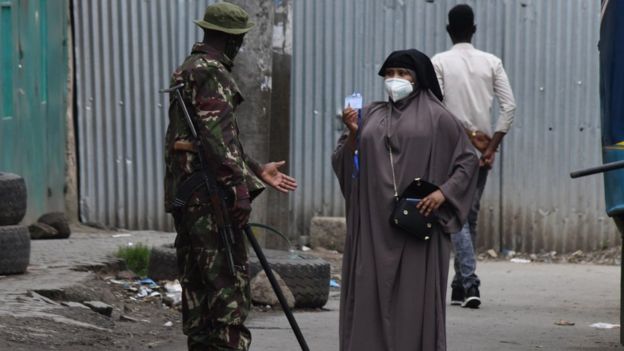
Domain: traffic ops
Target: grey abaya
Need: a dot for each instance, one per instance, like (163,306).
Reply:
(394,286)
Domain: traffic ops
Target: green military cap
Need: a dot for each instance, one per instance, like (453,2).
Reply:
(226,17)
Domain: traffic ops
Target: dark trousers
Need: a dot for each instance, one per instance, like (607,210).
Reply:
(464,241)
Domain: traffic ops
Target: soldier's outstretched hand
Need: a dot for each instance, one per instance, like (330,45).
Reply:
(272,176)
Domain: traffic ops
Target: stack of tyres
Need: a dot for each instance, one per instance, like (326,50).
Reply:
(14,238)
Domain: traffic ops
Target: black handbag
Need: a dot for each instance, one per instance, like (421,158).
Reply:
(405,215)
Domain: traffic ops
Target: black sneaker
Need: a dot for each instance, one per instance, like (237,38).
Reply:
(472,298)
(457,296)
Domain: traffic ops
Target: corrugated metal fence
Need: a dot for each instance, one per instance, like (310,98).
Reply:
(549,48)
(125,52)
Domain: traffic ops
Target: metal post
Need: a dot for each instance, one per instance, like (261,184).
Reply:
(276,288)
(604,168)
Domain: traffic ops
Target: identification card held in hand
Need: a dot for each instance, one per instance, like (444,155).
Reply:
(354,100)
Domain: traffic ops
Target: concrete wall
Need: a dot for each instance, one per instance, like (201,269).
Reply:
(263,72)
(252,70)
(278,212)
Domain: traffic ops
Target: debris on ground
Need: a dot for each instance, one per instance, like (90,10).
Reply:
(519,260)
(507,253)
(608,256)
(39,297)
(168,292)
(492,253)
(150,283)
(74,304)
(173,295)
(100,307)
(564,323)
(604,325)
(125,318)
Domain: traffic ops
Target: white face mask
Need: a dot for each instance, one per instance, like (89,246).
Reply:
(398,88)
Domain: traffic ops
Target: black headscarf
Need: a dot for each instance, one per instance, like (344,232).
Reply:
(419,63)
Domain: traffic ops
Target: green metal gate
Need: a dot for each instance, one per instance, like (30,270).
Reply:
(34,68)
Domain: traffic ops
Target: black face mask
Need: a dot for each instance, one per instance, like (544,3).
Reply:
(232,46)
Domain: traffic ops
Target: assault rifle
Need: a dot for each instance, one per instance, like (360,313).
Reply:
(217,200)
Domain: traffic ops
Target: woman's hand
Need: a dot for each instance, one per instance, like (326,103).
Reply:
(431,203)
(350,119)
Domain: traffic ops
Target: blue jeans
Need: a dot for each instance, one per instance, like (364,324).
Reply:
(465,241)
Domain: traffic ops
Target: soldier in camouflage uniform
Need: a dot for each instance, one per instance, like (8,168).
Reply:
(215,301)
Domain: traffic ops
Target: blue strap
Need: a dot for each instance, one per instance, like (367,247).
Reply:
(356,154)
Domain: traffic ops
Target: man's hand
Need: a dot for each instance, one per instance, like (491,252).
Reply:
(480,140)
(271,175)
(350,119)
(431,203)
(487,159)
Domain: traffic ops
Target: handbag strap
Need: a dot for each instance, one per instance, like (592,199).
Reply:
(389,146)
(396,193)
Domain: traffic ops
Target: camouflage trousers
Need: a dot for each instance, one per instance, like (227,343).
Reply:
(215,302)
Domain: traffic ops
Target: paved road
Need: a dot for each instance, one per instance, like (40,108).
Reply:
(521,304)
(521,301)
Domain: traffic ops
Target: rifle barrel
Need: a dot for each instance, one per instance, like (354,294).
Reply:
(173,88)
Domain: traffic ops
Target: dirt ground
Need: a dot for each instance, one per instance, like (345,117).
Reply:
(77,328)
(135,324)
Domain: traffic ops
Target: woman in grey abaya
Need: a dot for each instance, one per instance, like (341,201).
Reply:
(394,285)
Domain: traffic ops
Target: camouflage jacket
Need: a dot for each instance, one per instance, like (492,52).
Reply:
(211,96)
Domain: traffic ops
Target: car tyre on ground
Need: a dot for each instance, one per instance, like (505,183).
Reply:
(12,199)
(58,221)
(306,276)
(14,249)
